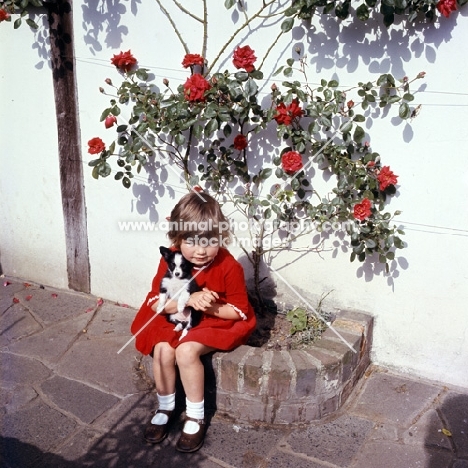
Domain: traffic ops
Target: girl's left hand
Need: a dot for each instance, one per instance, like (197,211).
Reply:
(203,300)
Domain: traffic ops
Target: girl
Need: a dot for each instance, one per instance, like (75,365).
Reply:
(197,228)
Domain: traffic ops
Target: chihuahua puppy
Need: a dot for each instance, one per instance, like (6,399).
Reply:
(178,284)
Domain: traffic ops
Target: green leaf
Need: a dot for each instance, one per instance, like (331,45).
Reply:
(126,182)
(242,76)
(211,127)
(179,139)
(333,84)
(251,88)
(17,23)
(363,12)
(227,130)
(287,25)
(31,23)
(229,4)
(142,74)
(347,126)
(104,169)
(358,134)
(359,118)
(408,96)
(404,111)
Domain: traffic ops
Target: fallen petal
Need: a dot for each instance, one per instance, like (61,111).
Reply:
(100,302)
(27,285)
(28,298)
(54,295)
(6,283)
(89,309)
(15,300)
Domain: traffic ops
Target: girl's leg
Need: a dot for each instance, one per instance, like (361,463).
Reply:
(192,372)
(192,375)
(164,368)
(164,376)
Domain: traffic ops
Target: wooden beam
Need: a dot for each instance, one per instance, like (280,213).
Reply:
(60,15)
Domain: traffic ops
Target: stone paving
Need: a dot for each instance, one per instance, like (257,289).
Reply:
(69,399)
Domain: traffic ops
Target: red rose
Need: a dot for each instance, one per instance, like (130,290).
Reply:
(240,142)
(195,88)
(124,61)
(110,121)
(291,162)
(286,114)
(4,15)
(193,59)
(386,177)
(244,58)
(446,7)
(362,210)
(350,104)
(96,145)
(282,117)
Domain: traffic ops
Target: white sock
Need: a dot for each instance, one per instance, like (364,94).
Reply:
(165,402)
(196,411)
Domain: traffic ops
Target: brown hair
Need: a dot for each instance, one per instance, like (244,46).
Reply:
(198,215)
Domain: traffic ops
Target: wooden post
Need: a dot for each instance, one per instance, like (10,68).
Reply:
(60,15)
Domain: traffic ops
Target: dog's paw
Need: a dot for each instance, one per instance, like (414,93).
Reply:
(178,327)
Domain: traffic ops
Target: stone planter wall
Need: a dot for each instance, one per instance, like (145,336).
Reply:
(296,386)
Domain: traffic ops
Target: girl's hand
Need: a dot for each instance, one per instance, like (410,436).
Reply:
(203,300)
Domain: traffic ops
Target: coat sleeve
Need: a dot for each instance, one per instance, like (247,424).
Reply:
(236,290)
(141,326)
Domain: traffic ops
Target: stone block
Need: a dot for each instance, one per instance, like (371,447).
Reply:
(279,379)
(230,368)
(306,374)
(253,372)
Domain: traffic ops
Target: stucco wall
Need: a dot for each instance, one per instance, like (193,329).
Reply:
(421,324)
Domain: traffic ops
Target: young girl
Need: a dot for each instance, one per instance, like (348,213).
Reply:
(227,317)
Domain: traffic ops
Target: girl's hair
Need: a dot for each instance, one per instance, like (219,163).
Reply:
(198,216)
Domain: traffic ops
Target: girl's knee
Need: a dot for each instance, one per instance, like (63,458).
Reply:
(186,353)
(163,352)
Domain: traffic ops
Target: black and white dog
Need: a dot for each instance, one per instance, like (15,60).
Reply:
(178,284)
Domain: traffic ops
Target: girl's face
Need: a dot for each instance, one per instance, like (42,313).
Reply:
(199,253)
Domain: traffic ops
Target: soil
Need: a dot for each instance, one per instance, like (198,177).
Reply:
(273,331)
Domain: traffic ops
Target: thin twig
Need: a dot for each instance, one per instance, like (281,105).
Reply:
(265,5)
(205,29)
(181,8)
(184,45)
(269,49)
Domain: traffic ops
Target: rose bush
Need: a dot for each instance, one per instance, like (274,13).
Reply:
(317,128)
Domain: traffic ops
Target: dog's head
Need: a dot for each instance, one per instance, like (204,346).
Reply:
(178,265)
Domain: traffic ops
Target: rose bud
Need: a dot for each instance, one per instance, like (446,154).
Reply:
(274,87)
(165,82)
(108,81)
(350,103)
(421,74)
(110,121)
(101,89)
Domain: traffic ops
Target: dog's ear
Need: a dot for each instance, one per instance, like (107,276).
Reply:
(165,252)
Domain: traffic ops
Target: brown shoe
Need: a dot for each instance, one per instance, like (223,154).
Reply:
(156,433)
(192,442)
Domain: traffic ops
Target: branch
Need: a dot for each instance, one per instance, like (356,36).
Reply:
(205,28)
(181,8)
(265,5)
(184,45)
(269,49)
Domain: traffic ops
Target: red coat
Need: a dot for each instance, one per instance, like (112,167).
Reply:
(225,276)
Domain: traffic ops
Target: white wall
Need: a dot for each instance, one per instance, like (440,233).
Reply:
(32,236)
(419,307)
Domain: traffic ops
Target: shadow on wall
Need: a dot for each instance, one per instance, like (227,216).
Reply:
(447,432)
(339,45)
